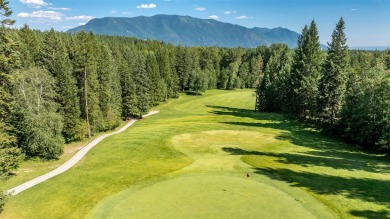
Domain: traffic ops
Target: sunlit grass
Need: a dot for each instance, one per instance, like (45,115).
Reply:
(351,183)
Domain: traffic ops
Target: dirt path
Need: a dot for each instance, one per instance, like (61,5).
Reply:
(72,161)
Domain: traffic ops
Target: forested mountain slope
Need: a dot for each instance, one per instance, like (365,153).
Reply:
(189,31)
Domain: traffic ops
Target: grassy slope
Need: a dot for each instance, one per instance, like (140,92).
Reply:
(352,183)
(30,169)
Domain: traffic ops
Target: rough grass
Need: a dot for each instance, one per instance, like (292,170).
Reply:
(32,168)
(294,159)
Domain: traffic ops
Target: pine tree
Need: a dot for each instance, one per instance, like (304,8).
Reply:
(9,60)
(244,74)
(106,70)
(85,70)
(174,86)
(129,96)
(183,67)
(272,91)
(156,83)
(332,82)
(165,69)
(116,98)
(5,13)
(141,79)
(256,70)
(31,44)
(209,59)
(305,74)
(56,59)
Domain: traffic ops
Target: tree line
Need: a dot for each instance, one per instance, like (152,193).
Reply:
(58,88)
(344,92)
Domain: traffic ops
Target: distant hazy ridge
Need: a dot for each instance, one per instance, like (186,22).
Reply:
(189,31)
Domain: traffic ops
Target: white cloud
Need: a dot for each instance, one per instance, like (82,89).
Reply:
(81,24)
(200,9)
(113,12)
(51,15)
(147,6)
(81,17)
(241,17)
(215,17)
(125,12)
(229,12)
(60,9)
(34,3)
(354,9)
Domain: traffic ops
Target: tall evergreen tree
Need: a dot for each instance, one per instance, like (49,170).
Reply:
(157,90)
(332,82)
(305,73)
(5,13)
(256,70)
(209,59)
(129,96)
(272,94)
(85,70)
(107,102)
(10,155)
(141,79)
(56,59)
(183,66)
(166,59)
(31,44)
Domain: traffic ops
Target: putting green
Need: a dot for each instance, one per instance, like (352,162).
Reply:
(208,149)
(203,196)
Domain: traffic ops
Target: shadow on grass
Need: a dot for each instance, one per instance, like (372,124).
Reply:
(371,190)
(323,151)
(371,214)
(193,93)
(335,160)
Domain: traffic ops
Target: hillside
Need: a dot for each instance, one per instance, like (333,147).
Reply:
(189,31)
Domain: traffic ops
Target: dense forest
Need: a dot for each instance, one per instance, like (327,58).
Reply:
(57,88)
(346,93)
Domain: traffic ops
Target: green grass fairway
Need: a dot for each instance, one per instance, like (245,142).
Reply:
(191,161)
(204,197)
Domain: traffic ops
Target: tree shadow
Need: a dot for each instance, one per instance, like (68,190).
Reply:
(325,150)
(317,158)
(371,214)
(193,93)
(322,151)
(370,190)
(224,110)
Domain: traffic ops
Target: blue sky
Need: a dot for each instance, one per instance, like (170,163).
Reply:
(367,21)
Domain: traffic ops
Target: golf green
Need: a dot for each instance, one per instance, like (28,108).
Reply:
(217,184)
(203,196)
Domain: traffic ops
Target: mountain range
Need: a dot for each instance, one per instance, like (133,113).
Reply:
(189,31)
